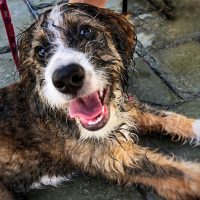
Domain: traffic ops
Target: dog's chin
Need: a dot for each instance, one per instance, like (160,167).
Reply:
(93,113)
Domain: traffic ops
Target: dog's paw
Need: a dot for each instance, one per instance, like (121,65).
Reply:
(196,129)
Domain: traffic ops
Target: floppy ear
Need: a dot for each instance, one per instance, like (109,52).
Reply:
(25,45)
(123,34)
(24,42)
(26,37)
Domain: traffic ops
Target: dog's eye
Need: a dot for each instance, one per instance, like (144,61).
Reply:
(41,52)
(86,32)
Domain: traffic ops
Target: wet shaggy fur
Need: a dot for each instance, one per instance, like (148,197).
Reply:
(38,139)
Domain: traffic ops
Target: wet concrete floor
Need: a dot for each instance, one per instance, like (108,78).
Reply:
(167,75)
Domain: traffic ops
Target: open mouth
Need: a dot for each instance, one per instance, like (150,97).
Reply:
(91,110)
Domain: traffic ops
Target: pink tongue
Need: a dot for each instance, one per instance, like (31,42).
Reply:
(87,107)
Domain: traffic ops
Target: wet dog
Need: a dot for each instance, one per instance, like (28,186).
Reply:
(69,111)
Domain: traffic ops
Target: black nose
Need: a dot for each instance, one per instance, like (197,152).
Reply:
(69,79)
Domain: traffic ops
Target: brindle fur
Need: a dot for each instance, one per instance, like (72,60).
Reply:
(38,140)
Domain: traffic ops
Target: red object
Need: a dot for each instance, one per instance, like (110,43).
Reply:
(9,29)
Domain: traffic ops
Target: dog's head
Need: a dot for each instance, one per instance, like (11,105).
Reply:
(78,55)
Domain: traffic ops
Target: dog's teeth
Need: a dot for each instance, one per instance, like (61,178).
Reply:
(99,118)
(103,109)
(91,123)
(96,121)
(101,93)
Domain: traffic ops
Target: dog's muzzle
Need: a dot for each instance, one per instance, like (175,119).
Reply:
(69,79)
(91,110)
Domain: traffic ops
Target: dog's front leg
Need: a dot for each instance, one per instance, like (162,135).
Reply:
(127,163)
(151,120)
